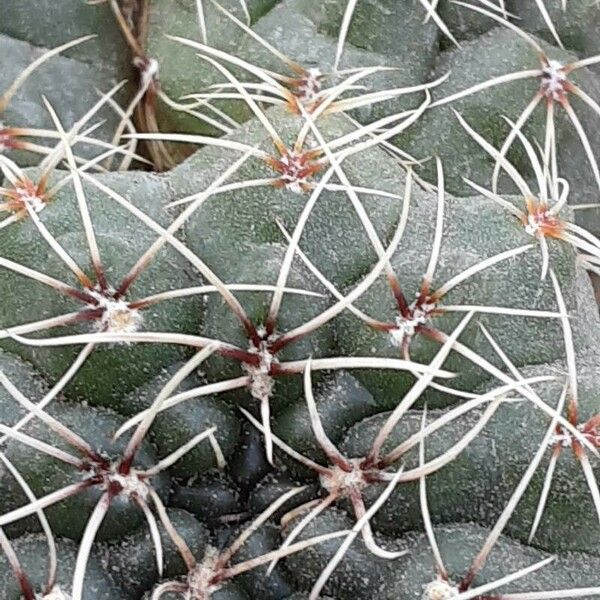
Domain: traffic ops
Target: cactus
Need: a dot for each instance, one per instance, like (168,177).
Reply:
(297,300)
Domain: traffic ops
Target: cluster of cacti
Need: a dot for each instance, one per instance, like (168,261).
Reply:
(296,299)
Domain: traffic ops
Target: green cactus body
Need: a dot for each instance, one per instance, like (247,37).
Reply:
(341,400)
(43,24)
(26,379)
(462,25)
(574,27)
(72,100)
(460,543)
(132,560)
(357,577)
(110,371)
(32,551)
(210,497)
(481,485)
(45,474)
(498,53)
(511,283)
(230,591)
(325,239)
(471,493)
(177,425)
(336,337)
(277,585)
(302,21)
(414,575)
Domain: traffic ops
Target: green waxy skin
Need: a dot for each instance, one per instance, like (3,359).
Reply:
(569,521)
(577,26)
(304,596)
(133,560)
(407,576)
(111,370)
(26,379)
(32,551)
(275,586)
(45,474)
(176,78)
(389,27)
(50,23)
(481,480)
(237,235)
(217,237)
(71,100)
(221,323)
(249,464)
(254,583)
(301,21)
(410,69)
(178,424)
(474,229)
(272,487)
(585,319)
(463,24)
(231,590)
(341,402)
(359,575)
(459,544)
(211,497)
(470,490)
(497,53)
